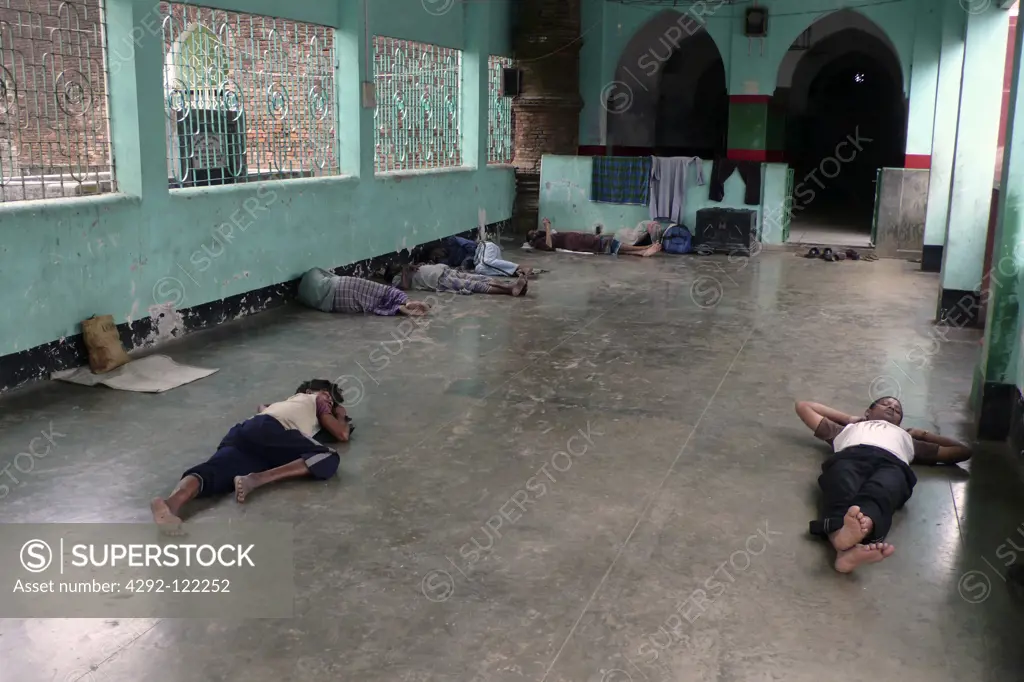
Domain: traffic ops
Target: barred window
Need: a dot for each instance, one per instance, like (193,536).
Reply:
(54,120)
(417,119)
(499,113)
(248,97)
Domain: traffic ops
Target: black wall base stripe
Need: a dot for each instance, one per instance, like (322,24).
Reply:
(37,363)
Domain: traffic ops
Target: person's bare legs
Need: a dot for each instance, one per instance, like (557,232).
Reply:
(859,555)
(414,308)
(642,251)
(246,484)
(166,512)
(499,287)
(499,290)
(850,553)
(856,527)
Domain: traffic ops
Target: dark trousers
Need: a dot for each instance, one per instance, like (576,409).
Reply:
(869,477)
(259,444)
(750,171)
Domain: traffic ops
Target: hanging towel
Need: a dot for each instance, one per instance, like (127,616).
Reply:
(668,185)
(621,180)
(750,171)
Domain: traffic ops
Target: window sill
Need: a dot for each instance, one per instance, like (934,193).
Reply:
(107,200)
(403,174)
(285,183)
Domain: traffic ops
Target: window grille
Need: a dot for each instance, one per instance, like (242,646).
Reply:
(499,113)
(54,115)
(416,122)
(248,97)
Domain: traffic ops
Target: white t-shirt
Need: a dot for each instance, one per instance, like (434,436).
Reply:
(880,434)
(876,433)
(298,412)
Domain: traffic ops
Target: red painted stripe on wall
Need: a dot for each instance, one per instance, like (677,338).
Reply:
(749,99)
(923,161)
(747,154)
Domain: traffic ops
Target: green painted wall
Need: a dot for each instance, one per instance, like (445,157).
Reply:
(64,260)
(751,70)
(565,197)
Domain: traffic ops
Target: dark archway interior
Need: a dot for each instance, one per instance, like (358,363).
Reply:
(693,104)
(853,97)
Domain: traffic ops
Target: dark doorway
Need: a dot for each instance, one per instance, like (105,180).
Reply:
(693,106)
(845,118)
(854,124)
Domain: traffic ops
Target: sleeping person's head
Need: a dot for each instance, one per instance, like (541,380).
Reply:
(329,388)
(886,409)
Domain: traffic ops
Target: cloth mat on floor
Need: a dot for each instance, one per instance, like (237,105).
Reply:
(151,374)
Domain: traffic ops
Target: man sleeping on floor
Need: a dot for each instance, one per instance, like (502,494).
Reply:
(869,476)
(323,290)
(274,445)
(583,242)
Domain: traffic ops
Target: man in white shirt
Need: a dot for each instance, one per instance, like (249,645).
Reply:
(869,476)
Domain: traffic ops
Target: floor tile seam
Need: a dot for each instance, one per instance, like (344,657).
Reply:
(646,508)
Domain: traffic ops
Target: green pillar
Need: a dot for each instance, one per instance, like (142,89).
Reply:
(974,161)
(996,380)
(475,56)
(950,73)
(749,127)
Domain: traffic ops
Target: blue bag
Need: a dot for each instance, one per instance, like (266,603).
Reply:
(677,239)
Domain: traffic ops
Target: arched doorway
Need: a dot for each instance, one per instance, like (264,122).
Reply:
(678,104)
(845,118)
(692,117)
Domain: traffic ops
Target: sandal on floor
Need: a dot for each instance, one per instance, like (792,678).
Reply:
(852,255)
(870,257)
(813,253)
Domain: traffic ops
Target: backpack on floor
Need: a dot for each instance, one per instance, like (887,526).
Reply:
(677,239)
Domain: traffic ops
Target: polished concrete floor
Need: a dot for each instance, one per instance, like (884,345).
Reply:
(696,475)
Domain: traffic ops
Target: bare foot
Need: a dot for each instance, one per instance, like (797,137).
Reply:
(859,555)
(414,311)
(162,515)
(519,288)
(651,250)
(243,486)
(855,528)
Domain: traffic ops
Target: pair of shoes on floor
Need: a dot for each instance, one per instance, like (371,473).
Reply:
(831,256)
(825,254)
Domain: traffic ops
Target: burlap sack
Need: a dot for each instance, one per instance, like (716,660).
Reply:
(103,343)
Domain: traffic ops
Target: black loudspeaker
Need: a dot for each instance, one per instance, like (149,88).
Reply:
(511,82)
(757,22)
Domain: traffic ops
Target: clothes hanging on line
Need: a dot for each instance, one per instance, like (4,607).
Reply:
(668,185)
(750,171)
(621,180)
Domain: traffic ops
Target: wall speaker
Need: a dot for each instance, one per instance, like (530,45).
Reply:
(511,82)
(757,22)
